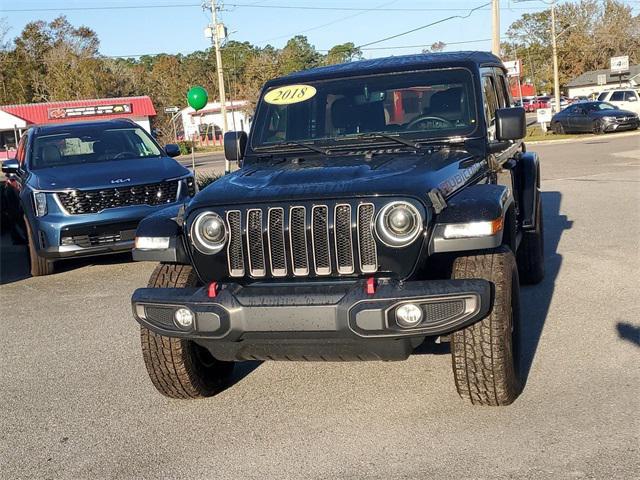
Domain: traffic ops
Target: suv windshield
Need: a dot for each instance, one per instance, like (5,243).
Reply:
(420,105)
(85,144)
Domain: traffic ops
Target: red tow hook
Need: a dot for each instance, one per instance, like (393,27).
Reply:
(213,290)
(370,287)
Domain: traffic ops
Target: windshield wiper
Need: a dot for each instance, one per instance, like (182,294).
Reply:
(393,138)
(292,143)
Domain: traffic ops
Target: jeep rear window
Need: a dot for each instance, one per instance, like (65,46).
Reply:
(91,144)
(420,105)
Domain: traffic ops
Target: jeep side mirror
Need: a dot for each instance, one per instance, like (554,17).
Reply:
(10,166)
(234,146)
(511,124)
(172,150)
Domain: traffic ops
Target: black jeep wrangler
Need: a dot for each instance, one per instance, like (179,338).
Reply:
(379,204)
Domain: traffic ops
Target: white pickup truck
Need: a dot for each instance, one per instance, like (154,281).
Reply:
(624,99)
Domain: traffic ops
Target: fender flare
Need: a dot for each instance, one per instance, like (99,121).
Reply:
(163,224)
(529,173)
(476,203)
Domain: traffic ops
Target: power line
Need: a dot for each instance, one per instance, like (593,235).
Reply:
(245,5)
(470,12)
(362,12)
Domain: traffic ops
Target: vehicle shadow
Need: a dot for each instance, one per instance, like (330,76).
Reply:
(535,300)
(14,261)
(240,371)
(629,332)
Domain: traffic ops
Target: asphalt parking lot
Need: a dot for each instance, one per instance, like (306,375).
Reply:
(77,403)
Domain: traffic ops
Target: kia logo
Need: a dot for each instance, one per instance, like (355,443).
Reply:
(120,180)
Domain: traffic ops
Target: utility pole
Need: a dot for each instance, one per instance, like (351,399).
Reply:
(495,10)
(556,79)
(223,97)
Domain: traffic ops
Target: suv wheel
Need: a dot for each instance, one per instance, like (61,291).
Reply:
(180,368)
(484,355)
(531,252)
(39,266)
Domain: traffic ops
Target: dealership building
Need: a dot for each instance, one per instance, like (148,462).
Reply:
(15,119)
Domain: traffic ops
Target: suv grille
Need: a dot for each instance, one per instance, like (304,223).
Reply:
(92,201)
(298,241)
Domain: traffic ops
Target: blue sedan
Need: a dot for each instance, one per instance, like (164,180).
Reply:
(81,189)
(593,117)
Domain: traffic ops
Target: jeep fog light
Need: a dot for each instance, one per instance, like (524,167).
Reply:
(408,315)
(183,318)
(472,229)
(152,243)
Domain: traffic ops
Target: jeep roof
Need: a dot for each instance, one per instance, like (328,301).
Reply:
(401,63)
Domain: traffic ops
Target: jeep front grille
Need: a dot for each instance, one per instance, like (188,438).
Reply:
(92,201)
(300,241)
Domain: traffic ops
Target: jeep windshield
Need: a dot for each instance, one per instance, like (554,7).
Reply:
(90,144)
(416,106)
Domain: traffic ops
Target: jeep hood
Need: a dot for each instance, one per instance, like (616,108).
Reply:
(337,177)
(116,173)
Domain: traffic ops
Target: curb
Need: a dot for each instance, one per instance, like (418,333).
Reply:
(583,138)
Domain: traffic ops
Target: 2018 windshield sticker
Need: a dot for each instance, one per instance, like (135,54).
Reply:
(290,94)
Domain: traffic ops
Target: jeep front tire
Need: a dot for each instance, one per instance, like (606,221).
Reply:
(484,354)
(180,368)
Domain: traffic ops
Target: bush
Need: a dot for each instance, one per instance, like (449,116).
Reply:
(185,147)
(204,179)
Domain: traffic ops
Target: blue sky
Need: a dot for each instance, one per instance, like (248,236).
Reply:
(125,32)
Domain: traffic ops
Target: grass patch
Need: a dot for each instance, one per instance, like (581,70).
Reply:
(535,134)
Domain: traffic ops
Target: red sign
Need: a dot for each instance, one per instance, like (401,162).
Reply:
(88,111)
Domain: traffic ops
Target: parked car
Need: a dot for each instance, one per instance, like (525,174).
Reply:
(596,117)
(579,98)
(540,102)
(625,99)
(80,189)
(357,226)
(527,104)
(564,102)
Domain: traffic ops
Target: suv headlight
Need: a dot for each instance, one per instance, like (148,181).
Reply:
(209,233)
(609,119)
(398,224)
(40,203)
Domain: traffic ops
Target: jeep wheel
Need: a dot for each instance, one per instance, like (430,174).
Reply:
(484,354)
(39,266)
(180,368)
(531,252)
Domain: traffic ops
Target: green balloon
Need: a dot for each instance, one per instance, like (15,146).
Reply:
(197,97)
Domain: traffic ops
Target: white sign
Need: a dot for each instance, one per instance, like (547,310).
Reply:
(602,79)
(171,109)
(620,64)
(513,68)
(543,115)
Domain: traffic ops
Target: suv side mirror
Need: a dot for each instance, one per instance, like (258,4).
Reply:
(234,146)
(632,99)
(511,124)
(10,166)
(172,150)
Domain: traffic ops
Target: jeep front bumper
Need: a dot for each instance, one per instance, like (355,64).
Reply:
(313,321)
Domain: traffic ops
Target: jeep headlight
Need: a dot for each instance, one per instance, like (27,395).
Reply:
(209,233)
(398,224)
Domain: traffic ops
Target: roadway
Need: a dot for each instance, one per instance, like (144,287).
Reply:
(77,403)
